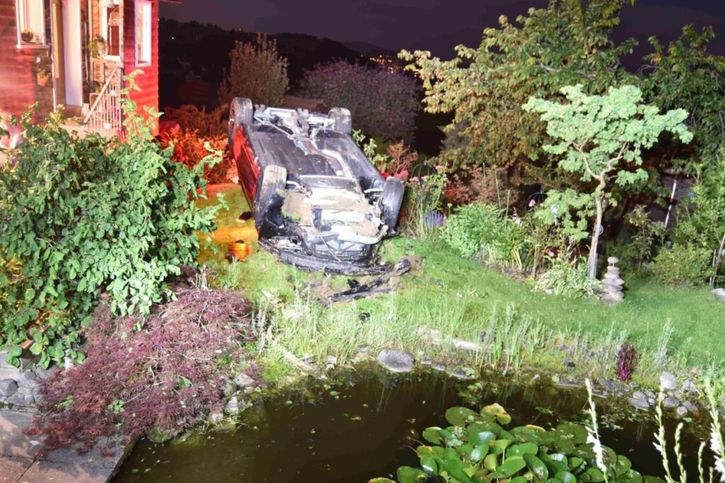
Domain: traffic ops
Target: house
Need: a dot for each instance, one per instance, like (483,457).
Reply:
(74,53)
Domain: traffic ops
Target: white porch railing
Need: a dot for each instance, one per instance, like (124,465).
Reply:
(105,114)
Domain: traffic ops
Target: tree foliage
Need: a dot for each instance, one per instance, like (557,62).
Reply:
(82,216)
(256,71)
(686,75)
(600,138)
(566,43)
(383,103)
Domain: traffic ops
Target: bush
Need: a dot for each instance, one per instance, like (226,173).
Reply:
(85,216)
(567,277)
(191,118)
(683,264)
(383,103)
(486,231)
(256,71)
(190,149)
(157,374)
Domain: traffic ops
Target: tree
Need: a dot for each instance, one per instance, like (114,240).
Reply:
(256,71)
(383,103)
(600,138)
(566,43)
(686,75)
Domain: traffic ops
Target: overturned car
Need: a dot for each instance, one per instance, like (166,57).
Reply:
(319,203)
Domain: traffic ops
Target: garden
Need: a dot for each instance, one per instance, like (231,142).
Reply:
(562,317)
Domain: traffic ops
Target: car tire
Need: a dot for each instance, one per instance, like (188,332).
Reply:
(270,196)
(343,120)
(391,201)
(241,112)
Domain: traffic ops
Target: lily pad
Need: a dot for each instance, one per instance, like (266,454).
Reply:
(512,465)
(522,449)
(496,410)
(407,474)
(433,434)
(536,466)
(458,416)
(565,477)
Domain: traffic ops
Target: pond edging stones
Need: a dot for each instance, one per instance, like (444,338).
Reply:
(396,361)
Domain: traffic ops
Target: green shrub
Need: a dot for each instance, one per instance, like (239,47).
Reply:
(464,230)
(85,216)
(683,264)
(567,277)
(487,232)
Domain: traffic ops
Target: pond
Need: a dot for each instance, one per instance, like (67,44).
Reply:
(365,425)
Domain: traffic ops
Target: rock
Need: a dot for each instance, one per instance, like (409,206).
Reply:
(396,361)
(438,366)
(639,403)
(681,411)
(650,394)
(8,387)
(19,399)
(464,373)
(691,408)
(215,417)
(569,363)
(719,294)
(331,360)
(689,387)
(612,386)
(426,362)
(232,406)
(668,381)
(670,402)
(158,436)
(243,381)
(363,349)
(229,387)
(639,395)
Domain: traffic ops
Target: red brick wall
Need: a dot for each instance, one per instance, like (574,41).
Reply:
(148,81)
(18,86)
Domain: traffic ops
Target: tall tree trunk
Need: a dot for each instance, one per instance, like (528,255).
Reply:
(592,260)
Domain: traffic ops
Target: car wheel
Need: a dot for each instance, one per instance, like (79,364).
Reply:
(241,112)
(343,120)
(390,202)
(270,196)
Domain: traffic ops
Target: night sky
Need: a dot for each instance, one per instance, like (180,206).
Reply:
(435,25)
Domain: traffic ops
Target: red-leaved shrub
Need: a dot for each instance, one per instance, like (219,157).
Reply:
(162,372)
(189,149)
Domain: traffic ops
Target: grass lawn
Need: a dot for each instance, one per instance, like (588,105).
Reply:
(681,327)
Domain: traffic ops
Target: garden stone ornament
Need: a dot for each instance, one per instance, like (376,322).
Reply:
(719,294)
(612,283)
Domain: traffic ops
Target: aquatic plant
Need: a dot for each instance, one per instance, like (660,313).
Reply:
(160,373)
(478,447)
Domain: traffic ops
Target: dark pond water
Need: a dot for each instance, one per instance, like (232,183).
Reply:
(367,426)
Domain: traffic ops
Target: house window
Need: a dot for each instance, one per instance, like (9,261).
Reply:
(31,22)
(111,26)
(143,32)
